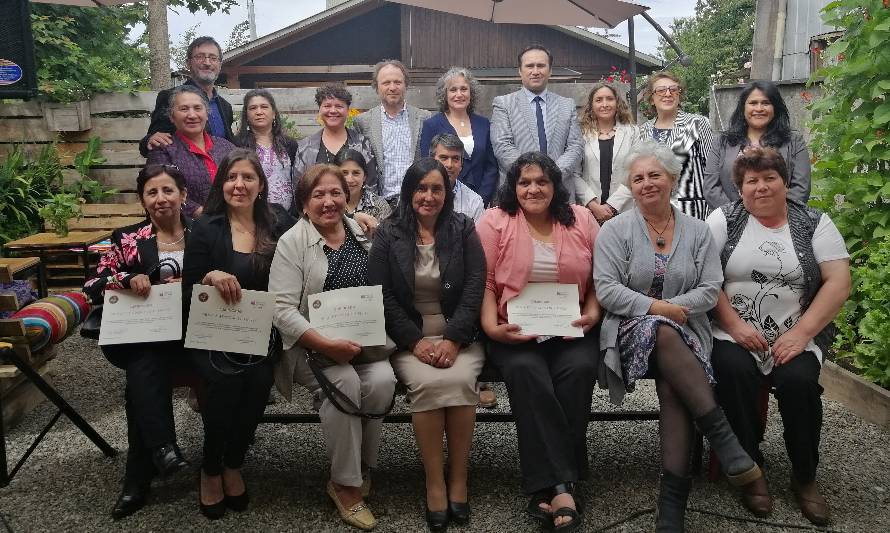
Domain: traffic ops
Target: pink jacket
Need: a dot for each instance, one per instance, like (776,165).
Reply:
(509,253)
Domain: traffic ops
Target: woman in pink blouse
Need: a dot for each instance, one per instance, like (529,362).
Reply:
(537,236)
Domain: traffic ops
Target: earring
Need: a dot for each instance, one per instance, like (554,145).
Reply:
(259,196)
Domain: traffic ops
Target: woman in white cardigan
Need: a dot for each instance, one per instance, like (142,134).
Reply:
(326,251)
(609,135)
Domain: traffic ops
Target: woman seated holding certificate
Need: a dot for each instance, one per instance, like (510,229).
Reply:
(354,388)
(142,255)
(432,268)
(536,235)
(231,248)
(657,274)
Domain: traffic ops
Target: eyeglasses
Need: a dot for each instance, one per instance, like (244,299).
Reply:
(673,89)
(202,57)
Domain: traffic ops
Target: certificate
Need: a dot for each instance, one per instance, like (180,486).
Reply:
(546,309)
(128,317)
(243,327)
(353,313)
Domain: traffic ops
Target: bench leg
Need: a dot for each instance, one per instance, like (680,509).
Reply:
(64,408)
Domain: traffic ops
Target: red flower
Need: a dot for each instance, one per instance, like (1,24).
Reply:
(610,79)
(841,56)
(614,68)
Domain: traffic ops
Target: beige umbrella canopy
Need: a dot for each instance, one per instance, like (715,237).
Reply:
(86,3)
(588,13)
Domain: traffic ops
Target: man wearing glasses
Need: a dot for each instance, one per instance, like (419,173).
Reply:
(204,58)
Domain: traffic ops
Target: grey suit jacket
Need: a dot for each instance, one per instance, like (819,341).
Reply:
(719,187)
(514,131)
(370,124)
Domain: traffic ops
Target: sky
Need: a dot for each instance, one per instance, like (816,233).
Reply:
(272,15)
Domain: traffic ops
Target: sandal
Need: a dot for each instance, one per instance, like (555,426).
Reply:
(575,522)
(545,518)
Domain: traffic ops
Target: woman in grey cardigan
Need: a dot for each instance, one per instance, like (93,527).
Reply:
(760,119)
(657,274)
(326,251)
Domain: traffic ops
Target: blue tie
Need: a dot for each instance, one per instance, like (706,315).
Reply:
(539,113)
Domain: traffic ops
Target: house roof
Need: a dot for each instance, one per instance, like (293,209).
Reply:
(365,5)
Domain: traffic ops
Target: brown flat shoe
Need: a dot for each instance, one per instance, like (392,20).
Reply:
(488,399)
(812,503)
(756,498)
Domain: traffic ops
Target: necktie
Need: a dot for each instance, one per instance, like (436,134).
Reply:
(539,113)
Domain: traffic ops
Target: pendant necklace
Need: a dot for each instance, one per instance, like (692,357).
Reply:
(659,241)
(174,243)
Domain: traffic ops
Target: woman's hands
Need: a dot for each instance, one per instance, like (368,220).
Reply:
(226,284)
(367,223)
(140,284)
(440,355)
(789,345)
(342,351)
(508,334)
(601,212)
(747,337)
(675,312)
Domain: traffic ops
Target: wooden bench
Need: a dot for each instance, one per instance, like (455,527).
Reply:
(105,217)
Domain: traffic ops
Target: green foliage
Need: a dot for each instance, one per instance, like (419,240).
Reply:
(179,49)
(82,51)
(86,187)
(718,39)
(851,172)
(25,184)
(59,208)
(240,35)
(868,319)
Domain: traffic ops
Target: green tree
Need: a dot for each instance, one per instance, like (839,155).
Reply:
(240,35)
(851,171)
(82,51)
(179,49)
(719,40)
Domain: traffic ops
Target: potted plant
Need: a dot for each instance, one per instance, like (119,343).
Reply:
(58,209)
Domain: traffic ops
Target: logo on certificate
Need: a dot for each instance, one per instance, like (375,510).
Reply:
(316,304)
(112,300)
(203,297)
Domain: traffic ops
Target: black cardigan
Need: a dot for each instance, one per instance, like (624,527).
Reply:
(462,272)
(210,248)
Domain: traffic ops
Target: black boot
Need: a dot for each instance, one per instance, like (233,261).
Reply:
(168,460)
(737,465)
(132,498)
(673,492)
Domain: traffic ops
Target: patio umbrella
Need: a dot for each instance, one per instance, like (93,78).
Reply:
(86,3)
(588,13)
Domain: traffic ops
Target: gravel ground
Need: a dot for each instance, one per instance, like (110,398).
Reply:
(68,485)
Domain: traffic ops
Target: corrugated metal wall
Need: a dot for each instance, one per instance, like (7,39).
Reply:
(802,22)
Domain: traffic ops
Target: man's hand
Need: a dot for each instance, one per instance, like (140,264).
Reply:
(159,139)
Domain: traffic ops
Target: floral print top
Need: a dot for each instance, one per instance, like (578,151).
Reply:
(277,170)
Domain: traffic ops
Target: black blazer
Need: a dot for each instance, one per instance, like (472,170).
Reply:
(160,118)
(210,248)
(122,262)
(462,271)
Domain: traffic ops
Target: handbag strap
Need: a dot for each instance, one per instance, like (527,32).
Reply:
(335,395)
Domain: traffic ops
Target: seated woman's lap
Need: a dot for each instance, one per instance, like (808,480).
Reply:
(434,388)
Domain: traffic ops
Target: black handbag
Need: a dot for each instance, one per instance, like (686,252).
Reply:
(317,363)
(234,363)
(91,325)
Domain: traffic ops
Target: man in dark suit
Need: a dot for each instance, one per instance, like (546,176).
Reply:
(535,119)
(204,58)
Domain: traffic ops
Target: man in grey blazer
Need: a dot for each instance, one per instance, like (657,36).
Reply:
(535,119)
(393,128)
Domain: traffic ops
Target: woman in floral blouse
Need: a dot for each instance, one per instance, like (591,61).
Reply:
(142,255)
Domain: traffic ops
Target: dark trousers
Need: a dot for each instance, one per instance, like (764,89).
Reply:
(797,390)
(148,400)
(550,387)
(232,410)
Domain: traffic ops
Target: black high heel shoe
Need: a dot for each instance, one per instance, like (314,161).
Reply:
(237,503)
(437,520)
(459,512)
(213,511)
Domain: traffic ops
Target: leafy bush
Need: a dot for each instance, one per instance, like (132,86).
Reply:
(59,208)
(25,185)
(87,188)
(850,170)
(867,319)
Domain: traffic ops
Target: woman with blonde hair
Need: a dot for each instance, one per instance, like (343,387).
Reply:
(609,134)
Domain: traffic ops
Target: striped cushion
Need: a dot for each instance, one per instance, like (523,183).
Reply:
(53,318)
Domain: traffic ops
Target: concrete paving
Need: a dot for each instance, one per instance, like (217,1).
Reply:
(68,485)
